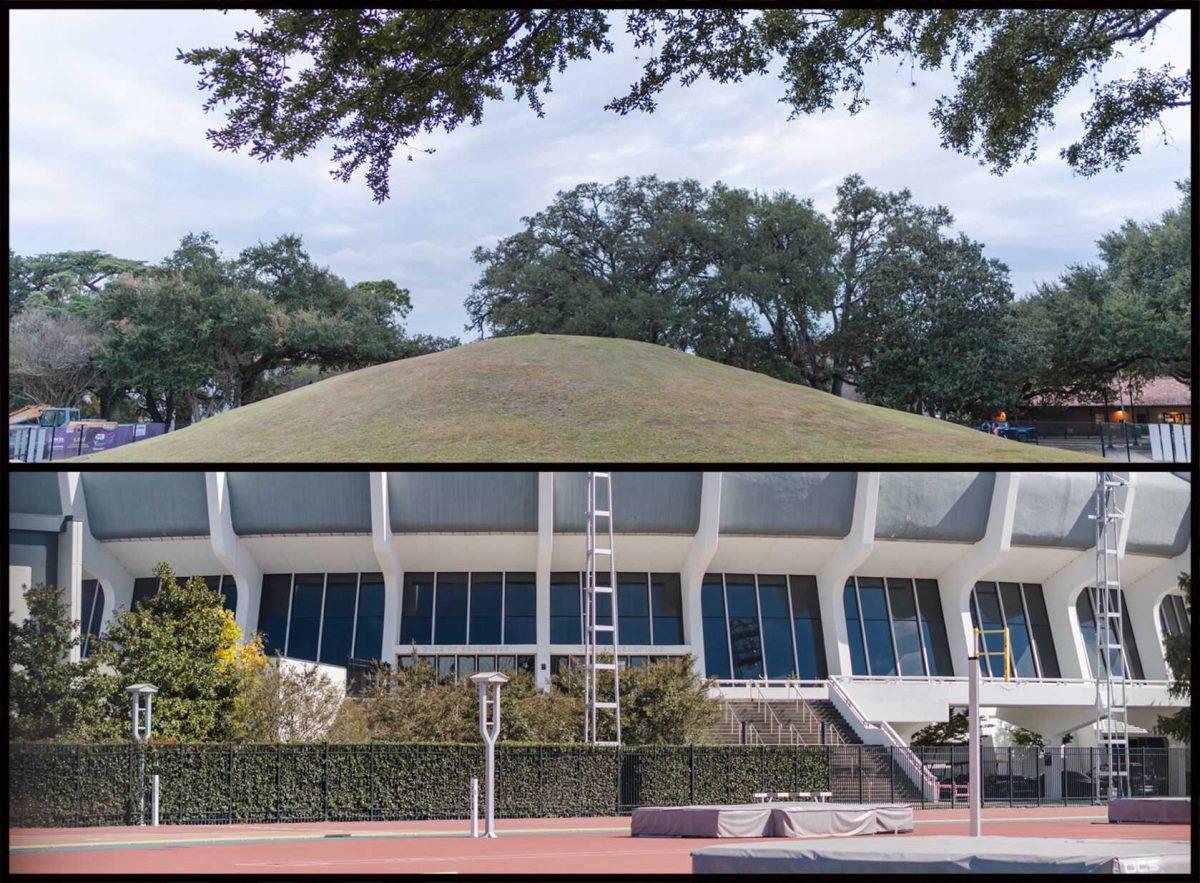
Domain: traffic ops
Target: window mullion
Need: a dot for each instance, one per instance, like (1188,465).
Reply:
(470,579)
(433,612)
(787,588)
(916,596)
(1037,660)
(728,629)
(862,625)
(287,632)
(354,622)
(650,606)
(887,600)
(321,621)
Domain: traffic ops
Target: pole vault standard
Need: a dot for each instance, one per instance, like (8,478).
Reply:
(489,728)
(974,740)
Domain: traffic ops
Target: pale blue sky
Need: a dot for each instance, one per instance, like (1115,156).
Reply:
(108,151)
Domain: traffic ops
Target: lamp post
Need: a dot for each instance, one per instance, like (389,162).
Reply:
(489,728)
(141,699)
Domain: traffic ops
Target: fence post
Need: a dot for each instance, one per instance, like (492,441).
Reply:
(1010,777)
(278,777)
(371,780)
(692,774)
(892,773)
(829,768)
(325,777)
(579,779)
(78,784)
(231,808)
(860,775)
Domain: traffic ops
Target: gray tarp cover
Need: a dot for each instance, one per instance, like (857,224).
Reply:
(1163,810)
(771,820)
(947,855)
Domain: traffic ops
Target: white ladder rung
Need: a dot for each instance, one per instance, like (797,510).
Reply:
(605,705)
(602,628)
(605,666)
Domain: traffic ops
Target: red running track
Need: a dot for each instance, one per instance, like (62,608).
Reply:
(525,846)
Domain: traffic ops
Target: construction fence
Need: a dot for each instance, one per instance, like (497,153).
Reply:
(82,785)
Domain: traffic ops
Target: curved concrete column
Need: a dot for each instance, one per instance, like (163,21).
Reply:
(383,543)
(956,582)
(840,566)
(545,549)
(229,549)
(1061,590)
(1143,598)
(695,565)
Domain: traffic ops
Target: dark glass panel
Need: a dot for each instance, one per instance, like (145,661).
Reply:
(525,663)
(1087,628)
(450,609)
(467,667)
(273,611)
(445,668)
(716,635)
(1019,637)
(520,608)
(1169,616)
(416,610)
(633,608)
(306,616)
(229,593)
(486,605)
(905,628)
(337,623)
(1129,641)
(744,632)
(144,589)
(776,626)
(368,629)
(858,655)
(666,602)
(1043,638)
(933,628)
(1181,613)
(806,620)
(87,603)
(988,602)
(881,656)
(566,615)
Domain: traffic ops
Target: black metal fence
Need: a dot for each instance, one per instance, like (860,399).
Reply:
(78,785)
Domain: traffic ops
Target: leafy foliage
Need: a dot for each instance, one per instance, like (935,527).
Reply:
(50,358)
(375,81)
(184,642)
(1179,659)
(953,732)
(1131,313)
(50,697)
(879,294)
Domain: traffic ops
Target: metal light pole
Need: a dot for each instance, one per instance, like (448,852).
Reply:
(974,778)
(489,728)
(141,733)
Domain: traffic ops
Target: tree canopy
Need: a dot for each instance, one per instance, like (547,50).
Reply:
(1179,660)
(197,332)
(376,80)
(880,294)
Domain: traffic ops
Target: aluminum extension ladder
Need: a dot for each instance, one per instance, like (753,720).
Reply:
(600,704)
(1111,669)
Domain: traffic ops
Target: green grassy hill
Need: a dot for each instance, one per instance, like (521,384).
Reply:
(556,398)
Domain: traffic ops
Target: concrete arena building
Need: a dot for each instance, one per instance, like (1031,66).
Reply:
(859,588)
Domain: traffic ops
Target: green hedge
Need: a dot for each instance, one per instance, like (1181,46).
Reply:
(71,785)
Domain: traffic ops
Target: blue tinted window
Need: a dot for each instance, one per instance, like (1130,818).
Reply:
(1127,640)
(904,627)
(337,625)
(565,611)
(1039,622)
(306,616)
(486,593)
(988,607)
(416,612)
(229,594)
(858,656)
(368,634)
(450,613)
(744,635)
(667,607)
(520,608)
(90,615)
(603,607)
(273,611)
(1019,638)
(633,608)
(776,627)
(881,657)
(933,628)
(716,637)
(806,620)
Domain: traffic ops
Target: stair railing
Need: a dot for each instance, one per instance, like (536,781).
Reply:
(742,728)
(920,774)
(826,735)
(777,727)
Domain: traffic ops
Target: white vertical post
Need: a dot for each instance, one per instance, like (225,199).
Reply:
(490,730)
(974,777)
(474,807)
(154,801)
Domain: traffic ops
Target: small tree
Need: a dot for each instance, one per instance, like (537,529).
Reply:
(952,732)
(184,642)
(1023,738)
(1178,726)
(282,702)
(50,697)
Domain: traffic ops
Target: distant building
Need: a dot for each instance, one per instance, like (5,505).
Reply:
(1162,400)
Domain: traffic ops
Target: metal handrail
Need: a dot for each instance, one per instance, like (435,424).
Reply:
(730,716)
(810,717)
(775,723)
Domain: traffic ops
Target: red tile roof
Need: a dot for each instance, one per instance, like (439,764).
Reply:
(1159,392)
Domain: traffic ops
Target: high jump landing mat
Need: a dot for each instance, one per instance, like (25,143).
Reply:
(772,820)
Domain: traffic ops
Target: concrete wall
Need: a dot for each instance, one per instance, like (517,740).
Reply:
(1162,520)
(300,502)
(1053,509)
(34,492)
(145,504)
(36,550)
(484,502)
(787,503)
(645,502)
(946,506)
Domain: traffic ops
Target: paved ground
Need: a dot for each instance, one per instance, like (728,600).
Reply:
(561,846)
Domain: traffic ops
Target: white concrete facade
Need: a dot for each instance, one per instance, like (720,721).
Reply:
(1062,570)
